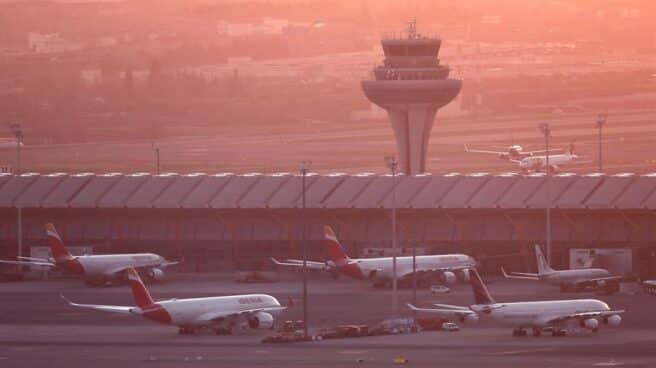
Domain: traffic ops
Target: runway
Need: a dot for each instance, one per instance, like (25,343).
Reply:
(37,329)
(360,146)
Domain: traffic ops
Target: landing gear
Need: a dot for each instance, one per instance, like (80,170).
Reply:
(223,331)
(557,333)
(537,332)
(519,332)
(184,330)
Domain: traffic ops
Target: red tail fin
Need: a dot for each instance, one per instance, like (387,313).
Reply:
(481,294)
(141,295)
(335,250)
(59,252)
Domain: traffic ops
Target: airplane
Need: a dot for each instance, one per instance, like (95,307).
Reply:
(649,287)
(513,152)
(219,313)
(97,270)
(539,163)
(379,270)
(577,279)
(9,142)
(538,315)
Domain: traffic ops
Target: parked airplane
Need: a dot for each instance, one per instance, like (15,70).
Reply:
(219,313)
(95,269)
(379,270)
(513,152)
(538,315)
(9,142)
(578,279)
(649,287)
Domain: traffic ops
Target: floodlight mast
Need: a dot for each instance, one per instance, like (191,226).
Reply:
(601,121)
(304,170)
(392,164)
(546,131)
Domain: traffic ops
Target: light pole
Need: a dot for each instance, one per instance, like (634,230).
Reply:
(157,167)
(304,169)
(392,164)
(18,133)
(601,121)
(546,131)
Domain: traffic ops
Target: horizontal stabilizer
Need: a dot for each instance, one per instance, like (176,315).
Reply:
(519,275)
(102,308)
(28,263)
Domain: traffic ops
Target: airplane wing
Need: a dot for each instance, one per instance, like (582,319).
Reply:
(314,265)
(168,263)
(217,316)
(541,151)
(401,274)
(103,308)
(484,151)
(29,263)
(597,280)
(519,275)
(449,306)
(445,312)
(581,316)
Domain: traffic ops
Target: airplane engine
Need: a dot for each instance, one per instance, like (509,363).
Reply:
(613,320)
(261,320)
(465,275)
(554,169)
(449,277)
(591,324)
(156,274)
(470,319)
(601,283)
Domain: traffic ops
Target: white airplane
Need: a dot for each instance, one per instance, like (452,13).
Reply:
(578,279)
(539,163)
(513,152)
(9,143)
(555,314)
(219,313)
(379,270)
(95,269)
(649,287)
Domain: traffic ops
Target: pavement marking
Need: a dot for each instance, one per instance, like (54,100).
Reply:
(518,352)
(610,363)
(352,352)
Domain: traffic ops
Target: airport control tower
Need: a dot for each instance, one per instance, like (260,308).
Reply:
(411,85)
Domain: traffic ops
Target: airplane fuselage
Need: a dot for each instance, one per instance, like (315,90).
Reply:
(536,314)
(540,162)
(569,276)
(383,267)
(198,311)
(107,265)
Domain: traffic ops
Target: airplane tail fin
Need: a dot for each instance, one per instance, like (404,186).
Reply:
(543,266)
(335,250)
(481,294)
(59,252)
(141,295)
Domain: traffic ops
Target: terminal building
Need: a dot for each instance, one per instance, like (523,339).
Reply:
(225,222)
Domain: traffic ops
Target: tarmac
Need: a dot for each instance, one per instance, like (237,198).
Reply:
(38,329)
